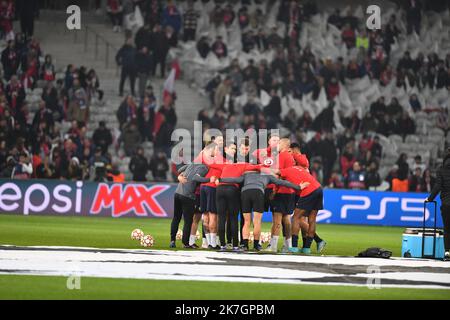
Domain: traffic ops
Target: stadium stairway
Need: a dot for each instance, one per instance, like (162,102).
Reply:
(69,47)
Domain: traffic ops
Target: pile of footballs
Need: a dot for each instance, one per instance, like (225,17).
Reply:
(146,240)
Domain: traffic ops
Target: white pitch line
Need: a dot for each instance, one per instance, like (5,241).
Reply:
(207,265)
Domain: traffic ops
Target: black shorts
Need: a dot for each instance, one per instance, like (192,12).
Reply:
(313,201)
(267,202)
(283,203)
(252,200)
(208,199)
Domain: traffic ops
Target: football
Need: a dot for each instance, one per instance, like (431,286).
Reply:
(137,234)
(147,241)
(179,235)
(265,237)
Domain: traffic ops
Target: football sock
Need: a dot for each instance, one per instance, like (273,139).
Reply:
(255,243)
(245,242)
(317,238)
(274,242)
(304,241)
(191,239)
(288,242)
(208,238)
(213,238)
(307,243)
(295,241)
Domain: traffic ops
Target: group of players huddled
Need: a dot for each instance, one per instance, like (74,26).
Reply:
(218,189)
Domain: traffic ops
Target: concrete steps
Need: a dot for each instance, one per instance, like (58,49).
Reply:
(71,47)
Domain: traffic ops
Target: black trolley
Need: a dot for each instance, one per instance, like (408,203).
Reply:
(426,233)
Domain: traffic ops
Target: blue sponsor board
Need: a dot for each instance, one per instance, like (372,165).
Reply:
(403,209)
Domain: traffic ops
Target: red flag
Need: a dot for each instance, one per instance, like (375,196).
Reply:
(169,84)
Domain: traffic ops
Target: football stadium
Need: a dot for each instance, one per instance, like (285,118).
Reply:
(224,150)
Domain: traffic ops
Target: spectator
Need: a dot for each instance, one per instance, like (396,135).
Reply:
(126,59)
(131,138)
(162,132)
(15,95)
(413,16)
(418,164)
(159,166)
(139,165)
(190,22)
(168,111)
(369,123)
(114,174)
(243,17)
(219,48)
(144,38)
(146,117)
(332,88)
(373,179)
(316,170)
(415,103)
(222,91)
(127,111)
(336,19)
(386,126)
(248,41)
(405,125)
(428,181)
(144,65)
(335,181)
(272,111)
(274,40)
(115,12)
(416,183)
(348,36)
(93,85)
(10,60)
(305,121)
(347,159)
(377,148)
(23,168)
(261,41)
(361,39)
(74,172)
(228,15)
(394,109)
(203,47)
(160,50)
(356,178)
(329,155)
(171,16)
(47,71)
(102,137)
(325,119)
(78,109)
(98,163)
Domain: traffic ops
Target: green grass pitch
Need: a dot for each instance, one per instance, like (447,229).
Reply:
(115,233)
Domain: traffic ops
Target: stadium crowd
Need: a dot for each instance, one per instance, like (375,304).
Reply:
(350,158)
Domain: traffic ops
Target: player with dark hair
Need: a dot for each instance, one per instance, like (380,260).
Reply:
(228,200)
(184,201)
(309,202)
(208,193)
(302,161)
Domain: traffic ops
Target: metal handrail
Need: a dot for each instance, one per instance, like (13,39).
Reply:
(98,38)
